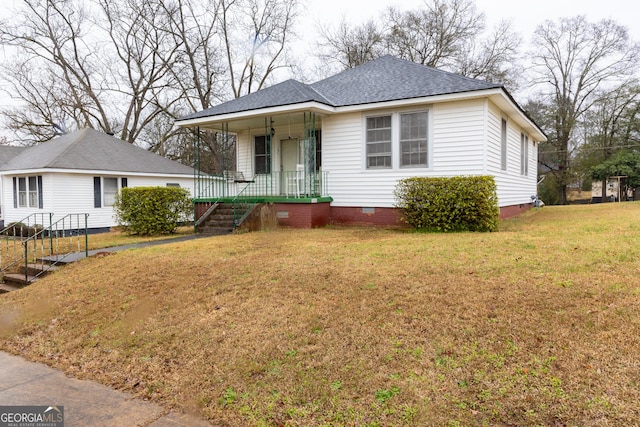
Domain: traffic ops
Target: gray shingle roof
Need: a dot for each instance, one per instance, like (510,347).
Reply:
(8,152)
(88,149)
(383,79)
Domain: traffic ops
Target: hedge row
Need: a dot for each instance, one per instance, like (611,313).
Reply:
(152,210)
(461,203)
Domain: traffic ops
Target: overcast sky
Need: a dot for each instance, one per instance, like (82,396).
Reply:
(525,16)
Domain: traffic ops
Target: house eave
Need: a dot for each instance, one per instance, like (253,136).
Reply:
(41,171)
(498,95)
(212,121)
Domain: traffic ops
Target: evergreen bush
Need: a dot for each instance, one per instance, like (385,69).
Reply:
(152,210)
(461,203)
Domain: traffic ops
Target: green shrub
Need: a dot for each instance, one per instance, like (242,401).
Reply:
(152,210)
(461,203)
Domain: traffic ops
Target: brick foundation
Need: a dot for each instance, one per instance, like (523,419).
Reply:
(201,208)
(310,215)
(303,215)
(513,210)
(366,216)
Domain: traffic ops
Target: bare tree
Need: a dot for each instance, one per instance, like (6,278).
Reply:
(447,34)
(572,61)
(435,34)
(123,66)
(492,57)
(351,46)
(61,84)
(255,36)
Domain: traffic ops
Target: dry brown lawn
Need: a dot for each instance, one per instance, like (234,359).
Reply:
(538,324)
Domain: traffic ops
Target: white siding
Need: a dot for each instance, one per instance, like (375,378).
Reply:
(70,193)
(456,148)
(513,188)
(464,139)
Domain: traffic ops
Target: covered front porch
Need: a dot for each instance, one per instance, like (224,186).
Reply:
(275,159)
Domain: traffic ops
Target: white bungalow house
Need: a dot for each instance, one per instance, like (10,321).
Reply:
(80,172)
(333,151)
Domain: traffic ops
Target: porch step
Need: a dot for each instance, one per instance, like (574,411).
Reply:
(216,231)
(17,281)
(221,221)
(8,287)
(38,268)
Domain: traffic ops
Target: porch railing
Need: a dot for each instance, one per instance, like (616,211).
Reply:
(288,184)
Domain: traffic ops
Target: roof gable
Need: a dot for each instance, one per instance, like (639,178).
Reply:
(88,149)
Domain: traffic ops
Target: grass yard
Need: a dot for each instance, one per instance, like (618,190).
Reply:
(538,324)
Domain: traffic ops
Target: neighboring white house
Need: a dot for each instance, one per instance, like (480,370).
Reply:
(80,172)
(362,130)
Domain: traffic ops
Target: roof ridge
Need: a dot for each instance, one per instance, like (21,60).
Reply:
(80,133)
(310,87)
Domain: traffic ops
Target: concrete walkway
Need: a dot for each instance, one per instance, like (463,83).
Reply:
(73,257)
(85,403)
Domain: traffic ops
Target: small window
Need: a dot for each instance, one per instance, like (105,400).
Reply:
(33,191)
(503,146)
(413,139)
(22,192)
(524,154)
(262,153)
(110,190)
(378,142)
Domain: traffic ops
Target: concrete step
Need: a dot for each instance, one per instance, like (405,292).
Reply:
(18,280)
(216,231)
(38,268)
(8,287)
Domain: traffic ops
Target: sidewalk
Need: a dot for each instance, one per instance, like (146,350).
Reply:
(73,257)
(24,383)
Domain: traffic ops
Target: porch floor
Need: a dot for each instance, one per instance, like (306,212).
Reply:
(265,199)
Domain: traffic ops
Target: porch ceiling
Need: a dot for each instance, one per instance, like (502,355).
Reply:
(257,121)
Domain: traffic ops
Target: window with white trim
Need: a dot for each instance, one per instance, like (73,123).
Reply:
(27,192)
(105,190)
(110,189)
(378,140)
(524,154)
(413,139)
(262,154)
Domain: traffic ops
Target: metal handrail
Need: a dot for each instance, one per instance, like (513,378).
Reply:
(63,238)
(13,235)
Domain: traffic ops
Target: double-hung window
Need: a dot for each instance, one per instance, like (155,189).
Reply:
(398,140)
(379,142)
(105,190)
(262,154)
(413,139)
(27,192)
